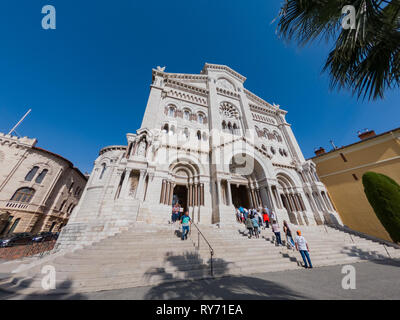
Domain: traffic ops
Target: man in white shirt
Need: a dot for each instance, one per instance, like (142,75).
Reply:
(302,246)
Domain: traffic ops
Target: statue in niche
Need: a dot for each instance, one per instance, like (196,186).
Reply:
(141,150)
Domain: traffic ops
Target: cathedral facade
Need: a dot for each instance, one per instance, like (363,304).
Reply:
(210,144)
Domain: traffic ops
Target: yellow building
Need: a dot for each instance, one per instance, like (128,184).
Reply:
(341,170)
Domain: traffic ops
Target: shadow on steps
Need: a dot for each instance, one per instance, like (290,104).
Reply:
(219,287)
(7,293)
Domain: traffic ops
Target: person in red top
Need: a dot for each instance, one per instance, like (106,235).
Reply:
(265,218)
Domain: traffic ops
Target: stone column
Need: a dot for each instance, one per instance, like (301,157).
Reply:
(167,191)
(196,195)
(302,205)
(162,191)
(202,194)
(291,199)
(250,196)
(140,188)
(278,199)
(253,197)
(190,199)
(219,191)
(260,203)
(229,191)
(270,198)
(125,188)
(296,202)
(264,197)
(171,194)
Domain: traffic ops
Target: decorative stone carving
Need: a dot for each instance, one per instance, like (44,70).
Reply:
(141,150)
(228,110)
(225,84)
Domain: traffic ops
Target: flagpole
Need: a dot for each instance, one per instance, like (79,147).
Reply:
(19,122)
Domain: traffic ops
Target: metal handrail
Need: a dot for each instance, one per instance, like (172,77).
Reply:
(199,233)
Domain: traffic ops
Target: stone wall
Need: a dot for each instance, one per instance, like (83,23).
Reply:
(17,252)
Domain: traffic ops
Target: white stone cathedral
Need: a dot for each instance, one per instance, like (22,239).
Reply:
(209,144)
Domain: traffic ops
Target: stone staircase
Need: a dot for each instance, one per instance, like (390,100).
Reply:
(153,254)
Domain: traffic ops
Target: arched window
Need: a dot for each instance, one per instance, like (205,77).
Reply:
(14,226)
(230,129)
(103,169)
(165,128)
(24,195)
(69,208)
(41,176)
(31,173)
(171,111)
(198,135)
(186,115)
(78,190)
(63,205)
(235,129)
(200,118)
(172,130)
(266,133)
(223,125)
(204,136)
(72,185)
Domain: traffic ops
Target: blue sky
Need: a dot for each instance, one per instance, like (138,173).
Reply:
(88,81)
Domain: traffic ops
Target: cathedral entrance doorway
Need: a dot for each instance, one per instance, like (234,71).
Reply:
(247,180)
(180,196)
(240,196)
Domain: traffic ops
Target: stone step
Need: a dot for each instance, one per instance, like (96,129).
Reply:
(127,259)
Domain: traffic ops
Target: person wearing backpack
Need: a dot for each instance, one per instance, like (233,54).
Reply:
(249,226)
(254,220)
(185,222)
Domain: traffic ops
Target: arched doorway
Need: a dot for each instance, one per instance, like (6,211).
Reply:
(183,186)
(248,182)
(180,196)
(289,198)
(240,197)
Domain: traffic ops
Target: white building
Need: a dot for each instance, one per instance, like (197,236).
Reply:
(210,143)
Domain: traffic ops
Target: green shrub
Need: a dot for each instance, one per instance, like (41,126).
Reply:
(383,193)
